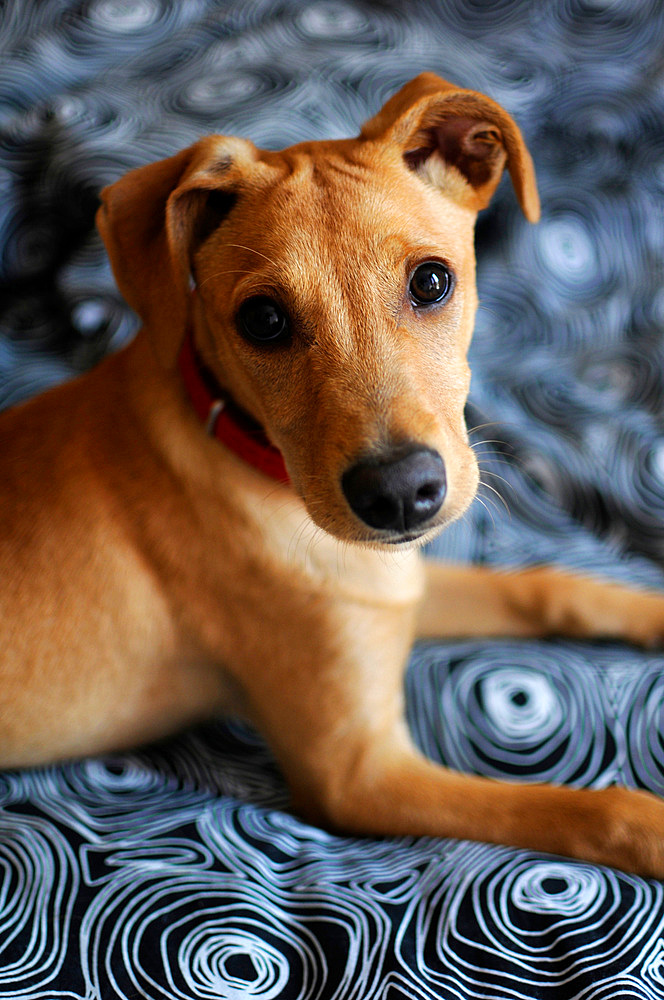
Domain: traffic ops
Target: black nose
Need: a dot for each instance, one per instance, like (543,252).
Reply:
(398,492)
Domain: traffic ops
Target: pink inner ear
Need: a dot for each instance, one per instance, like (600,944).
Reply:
(474,147)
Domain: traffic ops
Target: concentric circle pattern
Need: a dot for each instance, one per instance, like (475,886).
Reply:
(176,872)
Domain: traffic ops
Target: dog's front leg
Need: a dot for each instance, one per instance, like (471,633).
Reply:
(390,789)
(334,716)
(478,601)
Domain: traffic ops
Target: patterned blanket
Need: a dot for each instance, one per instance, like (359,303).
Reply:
(177,871)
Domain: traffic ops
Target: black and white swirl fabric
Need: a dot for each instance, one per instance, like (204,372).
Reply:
(177,872)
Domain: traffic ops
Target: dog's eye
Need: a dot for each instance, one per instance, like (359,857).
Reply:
(430,282)
(262,321)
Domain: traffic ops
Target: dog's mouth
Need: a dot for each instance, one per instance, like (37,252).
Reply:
(407,539)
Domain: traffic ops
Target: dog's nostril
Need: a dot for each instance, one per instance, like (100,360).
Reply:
(398,494)
(428,492)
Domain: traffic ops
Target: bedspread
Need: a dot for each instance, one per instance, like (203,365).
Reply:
(177,870)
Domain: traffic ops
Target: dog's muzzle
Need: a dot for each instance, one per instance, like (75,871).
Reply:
(399,492)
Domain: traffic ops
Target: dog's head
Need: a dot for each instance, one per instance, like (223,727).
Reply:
(335,295)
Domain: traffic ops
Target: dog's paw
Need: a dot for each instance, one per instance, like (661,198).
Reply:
(594,608)
(646,619)
(629,831)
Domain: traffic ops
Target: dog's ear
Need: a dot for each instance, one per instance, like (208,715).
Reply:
(152,221)
(470,132)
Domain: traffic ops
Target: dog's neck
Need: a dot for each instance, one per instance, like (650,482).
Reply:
(224,419)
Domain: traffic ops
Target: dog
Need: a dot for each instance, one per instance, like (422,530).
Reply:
(226,514)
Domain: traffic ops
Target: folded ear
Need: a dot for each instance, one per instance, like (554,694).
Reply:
(469,131)
(153,219)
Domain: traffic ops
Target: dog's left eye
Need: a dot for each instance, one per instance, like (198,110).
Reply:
(262,321)
(430,282)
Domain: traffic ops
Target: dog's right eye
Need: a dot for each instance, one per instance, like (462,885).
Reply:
(262,321)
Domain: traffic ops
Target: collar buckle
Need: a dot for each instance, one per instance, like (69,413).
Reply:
(224,420)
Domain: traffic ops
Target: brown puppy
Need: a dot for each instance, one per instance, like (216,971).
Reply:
(152,574)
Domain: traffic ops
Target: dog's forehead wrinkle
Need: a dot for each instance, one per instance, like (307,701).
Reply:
(329,189)
(339,283)
(221,165)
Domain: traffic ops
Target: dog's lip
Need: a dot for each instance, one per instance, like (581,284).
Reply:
(412,536)
(423,535)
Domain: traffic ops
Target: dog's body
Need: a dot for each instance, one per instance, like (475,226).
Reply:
(149,576)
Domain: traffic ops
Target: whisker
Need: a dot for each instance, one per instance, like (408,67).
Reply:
(239,246)
(296,540)
(488,423)
(488,486)
(485,458)
(220,273)
(487,508)
(297,536)
(487,472)
(477,444)
(513,457)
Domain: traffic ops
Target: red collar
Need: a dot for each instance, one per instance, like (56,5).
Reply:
(224,419)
